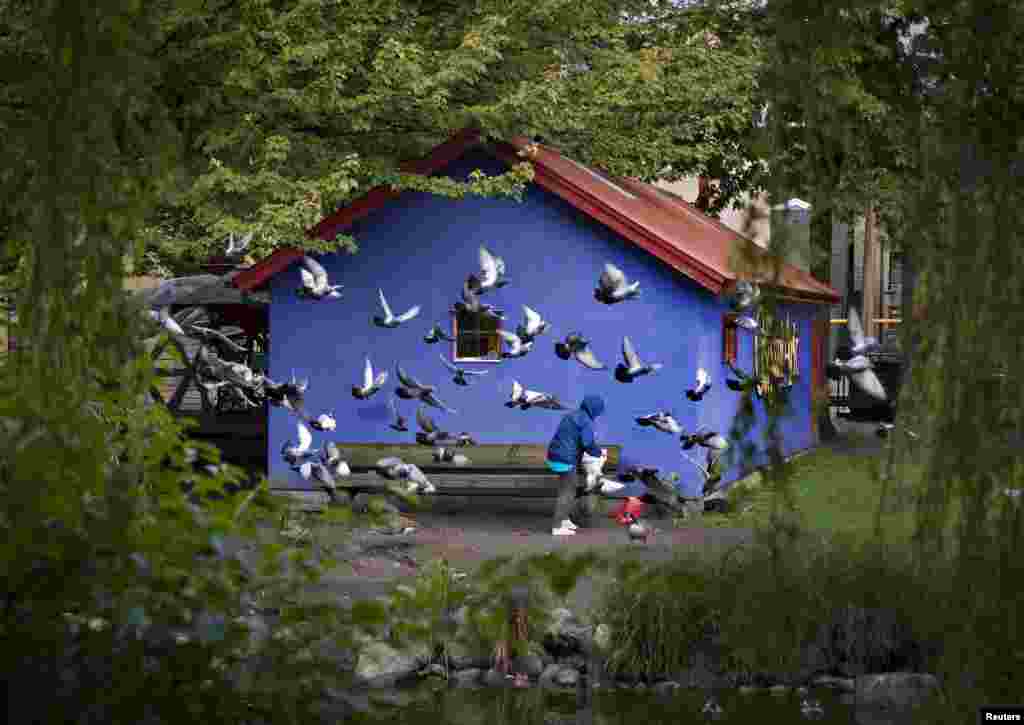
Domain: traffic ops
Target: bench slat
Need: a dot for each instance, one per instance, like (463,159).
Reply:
(490,456)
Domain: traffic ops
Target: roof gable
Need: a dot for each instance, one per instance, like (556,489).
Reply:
(669,228)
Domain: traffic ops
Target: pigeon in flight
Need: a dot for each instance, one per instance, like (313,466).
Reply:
(703,385)
(492,273)
(633,367)
(371,383)
(437,334)
(745,296)
(432,400)
(315,284)
(164,319)
(743,383)
(526,399)
(471,302)
(235,249)
(290,395)
(410,388)
(576,346)
(516,346)
(859,345)
(399,423)
(705,438)
(711,473)
(296,453)
(460,373)
(748,323)
(533,325)
(331,458)
(861,372)
(323,422)
(447,455)
(429,434)
(319,473)
(464,439)
(612,287)
(389,320)
(662,421)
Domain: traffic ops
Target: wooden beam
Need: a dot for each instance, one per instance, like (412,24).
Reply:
(498,456)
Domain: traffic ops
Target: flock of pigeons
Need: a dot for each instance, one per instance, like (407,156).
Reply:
(612,288)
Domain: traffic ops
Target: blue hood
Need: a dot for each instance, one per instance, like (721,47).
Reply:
(592,405)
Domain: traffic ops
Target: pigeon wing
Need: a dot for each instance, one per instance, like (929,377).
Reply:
(408,314)
(587,359)
(307,278)
(425,422)
(629,354)
(488,268)
(384,304)
(367,374)
(517,390)
(407,380)
(305,437)
(513,341)
(612,278)
(702,377)
(532,318)
(317,270)
(447,364)
(867,381)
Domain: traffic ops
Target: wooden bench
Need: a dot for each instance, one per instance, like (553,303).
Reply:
(495,469)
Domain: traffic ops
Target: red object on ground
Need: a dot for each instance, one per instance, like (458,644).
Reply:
(631,505)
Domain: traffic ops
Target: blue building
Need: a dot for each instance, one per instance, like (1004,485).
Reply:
(419,248)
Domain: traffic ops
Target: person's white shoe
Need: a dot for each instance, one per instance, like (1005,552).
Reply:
(564,530)
(608,486)
(570,524)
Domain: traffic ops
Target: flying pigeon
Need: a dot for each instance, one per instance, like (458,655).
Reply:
(410,388)
(371,384)
(464,439)
(315,284)
(748,323)
(163,317)
(437,334)
(526,399)
(745,296)
(663,421)
(612,287)
(399,423)
(517,347)
(297,453)
(429,434)
(447,455)
(460,373)
(432,400)
(859,368)
(532,326)
(859,345)
(290,395)
(743,383)
(633,367)
(575,345)
(711,473)
(703,385)
(492,273)
(389,320)
(323,422)
(321,474)
(235,249)
(471,302)
(331,458)
(704,438)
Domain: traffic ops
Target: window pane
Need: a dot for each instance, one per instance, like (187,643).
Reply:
(491,345)
(469,345)
(487,323)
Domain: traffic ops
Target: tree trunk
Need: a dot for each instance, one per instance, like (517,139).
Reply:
(872,274)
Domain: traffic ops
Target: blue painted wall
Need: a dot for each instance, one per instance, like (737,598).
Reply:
(420,248)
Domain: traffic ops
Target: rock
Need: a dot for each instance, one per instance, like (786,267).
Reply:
(842,684)
(361,503)
(531,665)
(895,689)
(667,687)
(779,690)
(859,640)
(567,677)
(577,662)
(381,665)
(640,686)
(467,678)
(432,670)
(566,635)
(603,637)
(493,678)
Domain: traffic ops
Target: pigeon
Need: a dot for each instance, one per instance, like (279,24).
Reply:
(163,317)
(859,345)
(213,337)
(711,473)
(465,439)
(323,422)
(517,346)
(609,487)
(712,710)
(743,383)
(371,383)
(429,434)
(633,367)
(663,421)
(389,320)
(331,458)
(703,385)
(447,455)
(884,429)
(592,467)
(315,284)
(460,373)
(575,345)
(859,368)
(432,400)
(811,709)
(399,424)
(704,438)
(297,453)
(526,399)
(745,296)
(612,287)
(748,323)
(289,395)
(396,469)
(638,531)
(410,388)
(471,302)
(532,326)
(492,273)
(235,249)
(321,474)
(437,334)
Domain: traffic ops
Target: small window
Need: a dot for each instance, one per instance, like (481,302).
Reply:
(476,337)
(729,339)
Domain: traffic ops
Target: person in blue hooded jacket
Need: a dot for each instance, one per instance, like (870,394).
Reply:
(575,434)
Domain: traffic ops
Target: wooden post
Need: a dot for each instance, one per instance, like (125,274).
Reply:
(872,274)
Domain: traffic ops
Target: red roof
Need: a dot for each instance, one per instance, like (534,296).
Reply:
(670,228)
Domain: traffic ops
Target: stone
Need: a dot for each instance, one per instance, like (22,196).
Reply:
(577,662)
(461,657)
(381,665)
(779,690)
(467,678)
(493,678)
(895,689)
(567,677)
(566,635)
(531,665)
(433,670)
(842,684)
(603,637)
(667,687)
